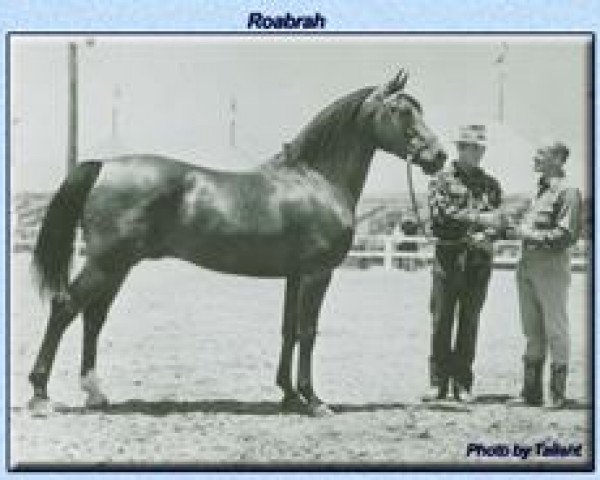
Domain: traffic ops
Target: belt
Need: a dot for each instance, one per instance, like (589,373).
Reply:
(532,246)
(454,243)
(541,247)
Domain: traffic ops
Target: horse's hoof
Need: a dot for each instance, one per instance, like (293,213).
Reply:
(40,406)
(320,410)
(96,403)
(293,403)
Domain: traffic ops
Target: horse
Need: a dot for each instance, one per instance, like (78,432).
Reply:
(292,217)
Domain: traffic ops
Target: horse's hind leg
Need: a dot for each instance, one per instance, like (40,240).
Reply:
(65,306)
(62,312)
(94,317)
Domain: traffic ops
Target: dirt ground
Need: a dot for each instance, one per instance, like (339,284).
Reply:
(188,360)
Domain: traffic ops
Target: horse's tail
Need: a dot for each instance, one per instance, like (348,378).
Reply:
(54,247)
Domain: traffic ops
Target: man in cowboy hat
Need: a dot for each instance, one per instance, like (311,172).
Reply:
(550,225)
(463,202)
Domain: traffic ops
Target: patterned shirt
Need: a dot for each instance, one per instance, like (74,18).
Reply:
(553,217)
(458,190)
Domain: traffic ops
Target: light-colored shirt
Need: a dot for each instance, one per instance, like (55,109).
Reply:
(553,216)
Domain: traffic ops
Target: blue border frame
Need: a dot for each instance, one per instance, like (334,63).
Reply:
(338,467)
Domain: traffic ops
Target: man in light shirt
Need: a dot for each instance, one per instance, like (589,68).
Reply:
(550,226)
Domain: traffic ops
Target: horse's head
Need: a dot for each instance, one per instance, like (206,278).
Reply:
(397,126)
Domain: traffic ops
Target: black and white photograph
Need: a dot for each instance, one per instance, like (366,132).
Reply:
(300,252)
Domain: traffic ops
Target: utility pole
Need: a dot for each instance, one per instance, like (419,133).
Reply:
(73,107)
(232,126)
(501,81)
(114,123)
(500,63)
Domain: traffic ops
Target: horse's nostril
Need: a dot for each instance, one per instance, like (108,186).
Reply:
(440,159)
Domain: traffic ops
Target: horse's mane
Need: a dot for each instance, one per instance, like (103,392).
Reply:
(413,101)
(322,134)
(320,138)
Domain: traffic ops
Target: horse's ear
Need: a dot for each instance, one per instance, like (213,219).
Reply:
(392,86)
(401,79)
(398,82)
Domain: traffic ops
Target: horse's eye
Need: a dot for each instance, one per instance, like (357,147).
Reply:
(412,134)
(405,110)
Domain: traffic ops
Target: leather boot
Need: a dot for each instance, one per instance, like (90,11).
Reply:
(558,384)
(443,386)
(533,390)
(438,392)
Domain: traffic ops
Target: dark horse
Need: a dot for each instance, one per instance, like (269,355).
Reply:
(291,217)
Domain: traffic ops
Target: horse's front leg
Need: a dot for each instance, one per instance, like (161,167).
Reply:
(311,293)
(291,400)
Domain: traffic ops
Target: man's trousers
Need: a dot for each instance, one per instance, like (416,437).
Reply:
(543,278)
(460,279)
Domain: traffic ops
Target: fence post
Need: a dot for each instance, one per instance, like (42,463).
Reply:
(388,263)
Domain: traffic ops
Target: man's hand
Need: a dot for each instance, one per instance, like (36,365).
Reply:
(470,216)
(481,241)
(523,232)
(496,220)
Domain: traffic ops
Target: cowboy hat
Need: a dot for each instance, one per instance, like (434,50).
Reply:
(473,134)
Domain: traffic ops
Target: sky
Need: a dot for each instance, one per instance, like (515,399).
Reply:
(173,95)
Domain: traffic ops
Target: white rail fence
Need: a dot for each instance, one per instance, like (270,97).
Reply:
(410,253)
(389,252)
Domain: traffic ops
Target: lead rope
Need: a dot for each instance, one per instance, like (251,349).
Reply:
(413,197)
